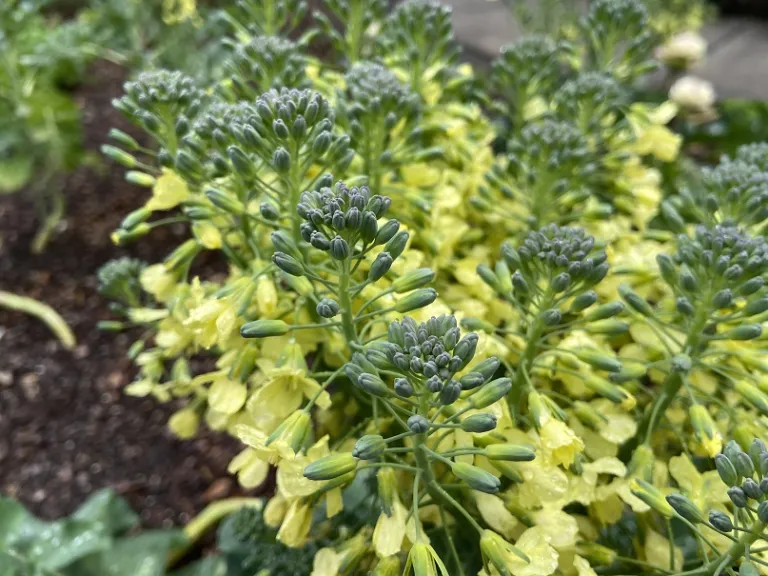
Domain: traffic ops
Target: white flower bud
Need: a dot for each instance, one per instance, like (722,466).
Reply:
(683,50)
(692,94)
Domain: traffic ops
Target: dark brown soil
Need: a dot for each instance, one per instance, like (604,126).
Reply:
(66,428)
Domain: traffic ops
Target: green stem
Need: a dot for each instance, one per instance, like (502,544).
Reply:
(209,517)
(43,312)
(521,383)
(345,303)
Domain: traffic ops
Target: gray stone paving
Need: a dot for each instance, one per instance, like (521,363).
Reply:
(737,62)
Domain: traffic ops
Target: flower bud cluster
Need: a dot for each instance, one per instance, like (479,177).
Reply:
(589,100)
(746,475)
(264,63)
(553,262)
(717,266)
(158,95)
(621,37)
(336,219)
(532,65)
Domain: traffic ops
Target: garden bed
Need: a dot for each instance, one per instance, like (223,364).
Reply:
(66,427)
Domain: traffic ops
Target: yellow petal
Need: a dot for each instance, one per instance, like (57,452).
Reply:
(227,396)
(169,191)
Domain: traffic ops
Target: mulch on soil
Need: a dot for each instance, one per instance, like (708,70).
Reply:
(66,428)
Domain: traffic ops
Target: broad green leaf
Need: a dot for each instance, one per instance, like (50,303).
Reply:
(110,510)
(61,543)
(16,524)
(142,555)
(14,173)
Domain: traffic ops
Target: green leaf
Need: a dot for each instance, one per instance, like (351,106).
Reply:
(14,173)
(108,509)
(16,524)
(142,555)
(61,543)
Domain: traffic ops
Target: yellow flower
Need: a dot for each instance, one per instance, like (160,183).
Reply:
(251,470)
(284,442)
(390,531)
(168,192)
(705,489)
(226,396)
(495,514)
(296,524)
(582,567)
(561,444)
(657,551)
(561,528)
(158,281)
(207,234)
(285,386)
(327,562)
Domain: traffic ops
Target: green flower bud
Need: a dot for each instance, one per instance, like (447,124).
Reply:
(450,393)
(744,465)
(721,521)
(403,388)
(737,496)
(608,327)
(753,395)
(726,470)
(135,218)
(122,237)
(415,300)
(119,156)
(287,264)
(490,393)
(380,266)
(685,508)
(752,489)
(722,299)
(264,329)
(369,227)
(751,286)
(605,311)
(596,554)
(756,307)
(745,332)
(321,144)
(281,160)
(510,453)
(339,248)
(635,301)
(688,281)
(489,277)
(611,391)
(472,380)
(418,424)
(225,201)
(599,360)
(672,217)
(331,466)
(123,139)
(520,284)
(373,385)
(488,367)
(397,244)
(652,496)
(387,232)
(684,306)
(269,211)
(327,308)
(667,268)
(628,373)
(583,301)
(369,447)
(477,478)
(762,512)
(412,280)
(551,317)
(140,179)
(560,282)
(479,423)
